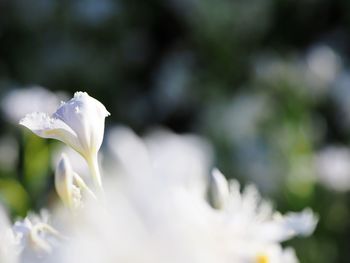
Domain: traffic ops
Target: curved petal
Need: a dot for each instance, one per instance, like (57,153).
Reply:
(302,223)
(49,127)
(282,228)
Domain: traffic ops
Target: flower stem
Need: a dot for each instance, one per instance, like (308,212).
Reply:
(95,172)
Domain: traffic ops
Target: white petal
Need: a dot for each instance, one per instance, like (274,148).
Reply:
(79,95)
(290,225)
(48,127)
(130,151)
(219,189)
(180,160)
(303,223)
(85,115)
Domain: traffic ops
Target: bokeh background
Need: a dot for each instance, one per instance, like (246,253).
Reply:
(267,82)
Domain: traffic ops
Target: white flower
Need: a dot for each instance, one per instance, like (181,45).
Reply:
(324,63)
(252,225)
(9,245)
(79,123)
(155,204)
(275,254)
(69,185)
(35,234)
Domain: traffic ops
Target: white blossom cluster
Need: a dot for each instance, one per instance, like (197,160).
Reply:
(161,204)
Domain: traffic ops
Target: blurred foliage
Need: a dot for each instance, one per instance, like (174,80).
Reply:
(266,81)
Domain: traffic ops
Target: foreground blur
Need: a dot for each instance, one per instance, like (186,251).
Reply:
(160,198)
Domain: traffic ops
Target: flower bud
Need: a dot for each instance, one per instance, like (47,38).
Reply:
(64,183)
(69,185)
(218,189)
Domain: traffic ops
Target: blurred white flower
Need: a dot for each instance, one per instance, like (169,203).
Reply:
(9,244)
(332,166)
(69,185)
(35,234)
(154,205)
(311,76)
(252,223)
(275,254)
(180,160)
(171,160)
(19,102)
(79,123)
(324,62)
